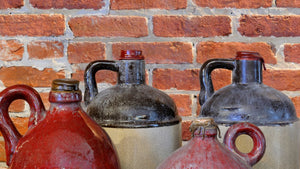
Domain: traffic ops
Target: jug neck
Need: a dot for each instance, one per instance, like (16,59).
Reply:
(131,72)
(247,71)
(65,91)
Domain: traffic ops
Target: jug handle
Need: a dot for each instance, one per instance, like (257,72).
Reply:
(37,113)
(259,142)
(207,88)
(91,89)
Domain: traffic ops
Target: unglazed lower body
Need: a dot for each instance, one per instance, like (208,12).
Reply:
(144,148)
(282,146)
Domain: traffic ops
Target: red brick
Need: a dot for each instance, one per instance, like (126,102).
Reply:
(21,124)
(266,25)
(187,79)
(2,151)
(296,101)
(102,76)
(191,26)
(159,52)
(292,53)
(17,106)
(109,26)
(45,99)
(211,50)
(185,130)
(288,3)
(45,49)
(85,52)
(146,4)
(5,4)
(282,79)
(11,50)
(234,4)
(178,79)
(32,25)
(183,103)
(68,4)
(29,76)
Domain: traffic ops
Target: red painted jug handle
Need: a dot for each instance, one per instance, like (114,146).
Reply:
(259,142)
(7,128)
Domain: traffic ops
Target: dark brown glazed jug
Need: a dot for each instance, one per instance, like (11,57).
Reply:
(204,151)
(247,99)
(63,137)
(142,121)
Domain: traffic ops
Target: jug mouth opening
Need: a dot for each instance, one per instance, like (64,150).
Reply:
(205,127)
(65,85)
(131,55)
(250,55)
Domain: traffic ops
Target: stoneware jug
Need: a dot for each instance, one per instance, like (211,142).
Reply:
(142,121)
(63,137)
(204,151)
(247,99)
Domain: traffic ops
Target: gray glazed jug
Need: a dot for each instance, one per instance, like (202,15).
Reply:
(142,121)
(247,99)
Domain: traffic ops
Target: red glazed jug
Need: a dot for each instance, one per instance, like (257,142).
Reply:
(204,151)
(63,137)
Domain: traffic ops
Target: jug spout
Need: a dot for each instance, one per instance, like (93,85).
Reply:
(7,128)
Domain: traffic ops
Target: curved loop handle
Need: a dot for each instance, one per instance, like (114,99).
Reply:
(255,133)
(89,77)
(7,128)
(207,88)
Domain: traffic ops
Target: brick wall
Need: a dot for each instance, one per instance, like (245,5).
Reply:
(44,40)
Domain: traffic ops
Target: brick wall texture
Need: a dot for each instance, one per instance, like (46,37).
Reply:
(44,40)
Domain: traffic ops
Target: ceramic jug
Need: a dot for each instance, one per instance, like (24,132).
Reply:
(247,99)
(142,121)
(63,137)
(204,151)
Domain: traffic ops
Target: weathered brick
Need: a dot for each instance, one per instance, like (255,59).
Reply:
(296,101)
(102,76)
(234,4)
(21,124)
(109,26)
(183,103)
(85,52)
(266,25)
(32,25)
(2,151)
(29,76)
(68,4)
(282,79)
(45,99)
(185,130)
(159,52)
(211,50)
(187,79)
(45,49)
(17,106)
(292,53)
(288,3)
(146,4)
(5,4)
(11,50)
(191,26)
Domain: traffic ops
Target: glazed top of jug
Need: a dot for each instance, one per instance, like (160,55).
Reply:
(247,98)
(205,151)
(131,103)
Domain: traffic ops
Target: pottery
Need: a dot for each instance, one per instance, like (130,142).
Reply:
(63,137)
